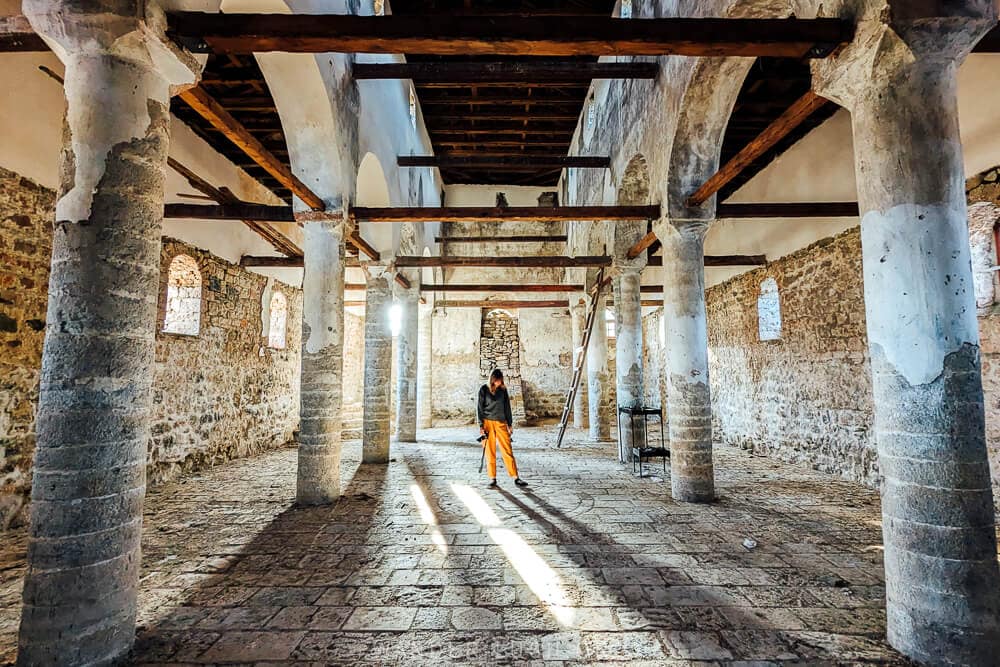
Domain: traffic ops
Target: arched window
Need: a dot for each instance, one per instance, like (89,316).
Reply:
(769,311)
(626,9)
(278,323)
(413,108)
(609,322)
(183,314)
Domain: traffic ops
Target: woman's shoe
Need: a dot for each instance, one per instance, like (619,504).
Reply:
(493,484)
(520,482)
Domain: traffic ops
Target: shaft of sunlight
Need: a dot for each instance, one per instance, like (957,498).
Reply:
(532,568)
(427,516)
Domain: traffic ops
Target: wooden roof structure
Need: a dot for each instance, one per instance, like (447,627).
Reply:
(498,119)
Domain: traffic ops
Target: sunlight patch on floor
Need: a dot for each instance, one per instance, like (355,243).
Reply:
(532,568)
(427,516)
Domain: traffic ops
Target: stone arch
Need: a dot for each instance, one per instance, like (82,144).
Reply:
(705,110)
(182,310)
(373,190)
(633,190)
(318,103)
(713,87)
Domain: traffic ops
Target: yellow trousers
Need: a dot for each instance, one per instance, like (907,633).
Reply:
(496,433)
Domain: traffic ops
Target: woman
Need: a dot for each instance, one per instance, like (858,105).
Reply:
(497,423)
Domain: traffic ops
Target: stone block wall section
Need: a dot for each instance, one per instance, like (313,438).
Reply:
(806,396)
(220,395)
(26,214)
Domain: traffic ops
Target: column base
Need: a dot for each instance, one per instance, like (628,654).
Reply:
(692,490)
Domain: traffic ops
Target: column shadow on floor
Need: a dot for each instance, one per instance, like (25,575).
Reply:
(289,563)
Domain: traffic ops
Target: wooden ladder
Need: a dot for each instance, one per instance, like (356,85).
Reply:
(596,306)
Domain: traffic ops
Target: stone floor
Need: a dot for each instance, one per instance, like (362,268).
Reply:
(420,563)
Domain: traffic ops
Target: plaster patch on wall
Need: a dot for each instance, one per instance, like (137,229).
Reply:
(915,289)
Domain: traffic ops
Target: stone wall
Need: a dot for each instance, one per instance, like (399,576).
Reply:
(805,396)
(546,360)
(983,192)
(26,214)
(222,394)
(218,395)
(500,347)
(455,365)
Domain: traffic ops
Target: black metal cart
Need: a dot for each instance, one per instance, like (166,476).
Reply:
(642,450)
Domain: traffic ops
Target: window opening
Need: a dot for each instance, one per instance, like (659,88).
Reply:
(609,322)
(395,319)
(769,311)
(278,322)
(183,314)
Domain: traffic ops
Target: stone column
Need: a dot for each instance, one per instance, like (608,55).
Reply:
(319,441)
(692,478)
(597,378)
(578,316)
(425,404)
(378,366)
(93,419)
(408,300)
(942,581)
(628,354)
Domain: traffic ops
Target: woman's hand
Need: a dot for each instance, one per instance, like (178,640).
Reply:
(510,430)
(482,430)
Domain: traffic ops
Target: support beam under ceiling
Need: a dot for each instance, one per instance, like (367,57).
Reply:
(796,114)
(508,35)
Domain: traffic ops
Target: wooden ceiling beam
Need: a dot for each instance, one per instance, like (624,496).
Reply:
(784,125)
(499,163)
(720,260)
(502,288)
(528,262)
(205,106)
(501,239)
(208,108)
(509,214)
(229,211)
(438,34)
(223,196)
(479,73)
(766,210)
(551,303)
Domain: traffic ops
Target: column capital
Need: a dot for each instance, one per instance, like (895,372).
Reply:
(667,229)
(131,30)
(902,38)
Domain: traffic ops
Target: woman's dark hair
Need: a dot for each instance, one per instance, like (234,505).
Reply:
(496,375)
